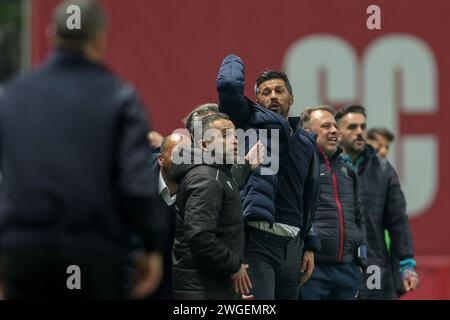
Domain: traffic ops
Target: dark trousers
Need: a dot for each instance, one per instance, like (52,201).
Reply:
(40,271)
(274,264)
(332,282)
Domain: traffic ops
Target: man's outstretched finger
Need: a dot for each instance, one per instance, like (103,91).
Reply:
(244,286)
(236,289)
(247,280)
(241,288)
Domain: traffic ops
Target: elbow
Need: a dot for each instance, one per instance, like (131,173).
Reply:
(231,75)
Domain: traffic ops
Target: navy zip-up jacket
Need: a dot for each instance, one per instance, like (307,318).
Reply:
(289,195)
(340,222)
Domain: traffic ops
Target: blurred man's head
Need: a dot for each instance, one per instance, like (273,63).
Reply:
(380,139)
(219,137)
(165,155)
(320,119)
(89,36)
(351,122)
(274,92)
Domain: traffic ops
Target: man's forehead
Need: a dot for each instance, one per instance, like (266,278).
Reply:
(356,118)
(272,83)
(322,116)
(222,124)
(382,139)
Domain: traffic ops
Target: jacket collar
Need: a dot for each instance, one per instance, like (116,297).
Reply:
(193,157)
(361,163)
(294,122)
(62,56)
(322,154)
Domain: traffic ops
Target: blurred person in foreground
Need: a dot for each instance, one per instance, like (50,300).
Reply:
(76,180)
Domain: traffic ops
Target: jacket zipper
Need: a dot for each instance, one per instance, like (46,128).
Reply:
(338,203)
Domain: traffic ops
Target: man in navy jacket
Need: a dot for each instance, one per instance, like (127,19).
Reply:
(76,180)
(280,196)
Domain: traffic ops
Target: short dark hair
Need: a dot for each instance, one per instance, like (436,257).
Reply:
(199,112)
(92,22)
(349,109)
(206,123)
(272,74)
(209,119)
(382,131)
(305,116)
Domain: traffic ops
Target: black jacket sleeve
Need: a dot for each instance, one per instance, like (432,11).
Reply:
(360,218)
(230,86)
(359,212)
(137,192)
(201,218)
(240,172)
(395,217)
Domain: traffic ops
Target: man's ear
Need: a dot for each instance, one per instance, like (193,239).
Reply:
(291,100)
(160,160)
(203,144)
(257,96)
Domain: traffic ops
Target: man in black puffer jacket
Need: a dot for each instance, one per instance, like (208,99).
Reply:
(209,237)
(339,223)
(384,205)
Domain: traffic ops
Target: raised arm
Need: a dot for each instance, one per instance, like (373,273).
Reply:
(230,86)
